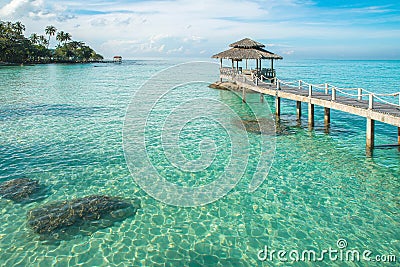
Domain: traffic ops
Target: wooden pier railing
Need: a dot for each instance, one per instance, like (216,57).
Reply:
(373,106)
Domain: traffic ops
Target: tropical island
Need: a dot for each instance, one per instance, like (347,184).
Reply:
(15,48)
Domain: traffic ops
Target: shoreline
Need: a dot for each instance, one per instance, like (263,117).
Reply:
(6,64)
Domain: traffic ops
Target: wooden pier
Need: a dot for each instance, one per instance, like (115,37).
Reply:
(357,101)
(351,100)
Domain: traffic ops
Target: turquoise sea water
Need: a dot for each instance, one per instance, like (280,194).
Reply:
(63,126)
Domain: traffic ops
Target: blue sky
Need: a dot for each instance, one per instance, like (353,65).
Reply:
(336,29)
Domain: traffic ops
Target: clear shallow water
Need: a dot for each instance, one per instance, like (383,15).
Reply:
(62,125)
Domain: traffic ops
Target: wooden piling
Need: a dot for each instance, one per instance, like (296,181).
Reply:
(327,120)
(310,115)
(220,78)
(370,133)
(278,106)
(298,109)
(327,116)
(398,136)
(244,94)
(277,100)
(310,109)
(262,98)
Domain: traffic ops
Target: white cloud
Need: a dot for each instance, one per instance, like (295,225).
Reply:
(16,8)
(288,52)
(161,48)
(193,38)
(33,9)
(175,50)
(158,37)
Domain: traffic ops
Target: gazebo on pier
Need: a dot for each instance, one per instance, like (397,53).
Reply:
(246,49)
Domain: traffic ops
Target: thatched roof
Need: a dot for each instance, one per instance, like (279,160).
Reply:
(247,49)
(247,53)
(246,43)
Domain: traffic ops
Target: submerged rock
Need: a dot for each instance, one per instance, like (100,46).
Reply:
(256,125)
(231,86)
(224,86)
(20,189)
(218,85)
(262,126)
(85,214)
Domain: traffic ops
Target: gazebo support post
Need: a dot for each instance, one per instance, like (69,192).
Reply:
(246,63)
(272,66)
(233,64)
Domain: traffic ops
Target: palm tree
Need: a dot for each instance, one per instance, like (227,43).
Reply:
(67,37)
(60,37)
(9,25)
(63,37)
(19,27)
(34,38)
(51,31)
(43,41)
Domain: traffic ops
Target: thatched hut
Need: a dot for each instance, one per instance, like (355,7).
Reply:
(249,49)
(117,59)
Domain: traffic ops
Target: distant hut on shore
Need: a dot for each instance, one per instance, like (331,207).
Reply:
(249,49)
(117,59)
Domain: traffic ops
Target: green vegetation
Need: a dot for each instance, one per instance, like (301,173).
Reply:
(16,48)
